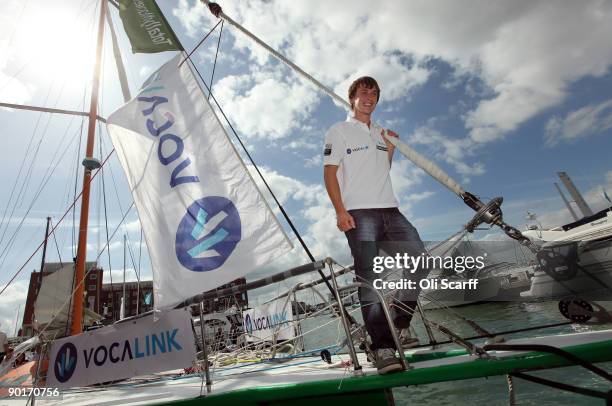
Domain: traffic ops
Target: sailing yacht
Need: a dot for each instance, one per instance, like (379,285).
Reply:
(107,365)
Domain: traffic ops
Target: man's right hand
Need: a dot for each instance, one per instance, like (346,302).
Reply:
(345,221)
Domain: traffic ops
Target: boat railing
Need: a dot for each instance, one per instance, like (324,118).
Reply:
(337,297)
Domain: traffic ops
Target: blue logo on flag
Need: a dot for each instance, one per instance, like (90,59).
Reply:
(65,362)
(208,234)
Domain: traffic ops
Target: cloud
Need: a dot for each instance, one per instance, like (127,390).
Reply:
(455,151)
(587,121)
(524,55)
(417,197)
(395,78)
(191,15)
(10,300)
(405,177)
(532,57)
(265,104)
(314,161)
(286,187)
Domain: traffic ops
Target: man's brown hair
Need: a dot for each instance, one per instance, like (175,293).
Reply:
(365,81)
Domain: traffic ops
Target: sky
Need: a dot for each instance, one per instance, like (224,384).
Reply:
(502,95)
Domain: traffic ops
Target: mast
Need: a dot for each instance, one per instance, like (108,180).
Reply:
(567,204)
(573,190)
(90,163)
(122,314)
(44,253)
(15,330)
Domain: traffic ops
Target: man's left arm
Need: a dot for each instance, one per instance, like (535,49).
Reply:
(390,147)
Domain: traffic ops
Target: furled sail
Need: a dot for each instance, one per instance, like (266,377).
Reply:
(204,220)
(52,306)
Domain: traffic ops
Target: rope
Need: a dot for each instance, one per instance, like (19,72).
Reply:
(511,396)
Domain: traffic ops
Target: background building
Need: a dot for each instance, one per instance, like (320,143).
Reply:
(138,299)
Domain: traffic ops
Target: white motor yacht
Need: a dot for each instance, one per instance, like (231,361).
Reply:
(592,236)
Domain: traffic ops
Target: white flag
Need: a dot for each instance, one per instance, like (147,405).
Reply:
(204,220)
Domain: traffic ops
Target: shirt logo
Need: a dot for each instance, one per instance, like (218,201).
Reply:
(356,149)
(327,150)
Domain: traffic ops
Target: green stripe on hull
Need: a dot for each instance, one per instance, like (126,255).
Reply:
(323,390)
(413,358)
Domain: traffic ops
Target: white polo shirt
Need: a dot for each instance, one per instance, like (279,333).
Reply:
(363,173)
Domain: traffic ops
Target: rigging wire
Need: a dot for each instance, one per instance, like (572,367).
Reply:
(38,192)
(54,228)
(99,140)
(65,201)
(17,178)
(89,270)
(110,269)
(199,43)
(77,173)
(212,76)
(59,256)
(124,228)
(114,182)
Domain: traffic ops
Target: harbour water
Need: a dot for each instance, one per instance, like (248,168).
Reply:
(495,317)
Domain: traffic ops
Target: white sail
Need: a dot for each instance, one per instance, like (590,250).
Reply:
(204,220)
(52,305)
(51,302)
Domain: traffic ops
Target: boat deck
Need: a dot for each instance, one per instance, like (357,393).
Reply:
(308,377)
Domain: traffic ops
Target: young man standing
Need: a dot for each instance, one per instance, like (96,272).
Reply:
(357,160)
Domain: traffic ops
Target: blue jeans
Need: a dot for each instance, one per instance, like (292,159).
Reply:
(389,230)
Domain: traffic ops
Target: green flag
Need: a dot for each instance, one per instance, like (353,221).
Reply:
(146,27)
